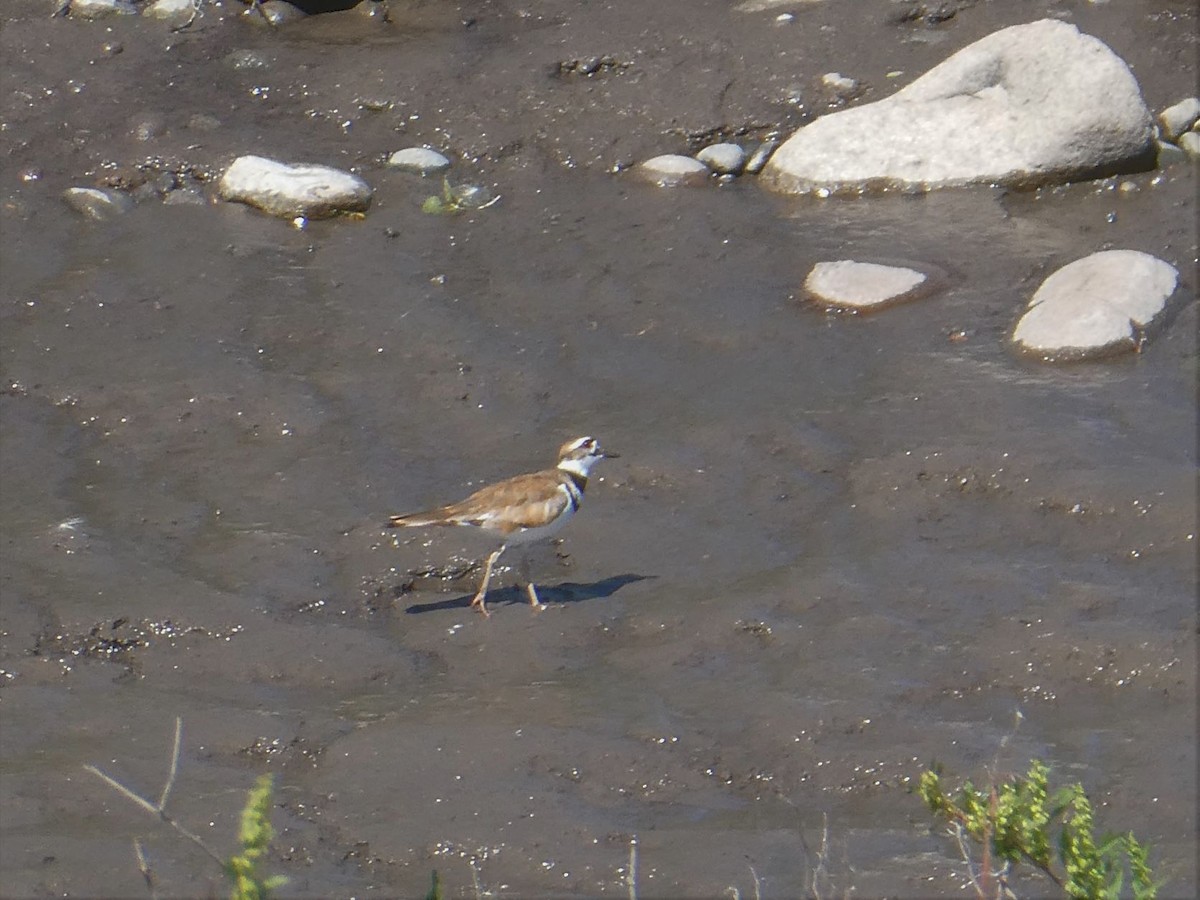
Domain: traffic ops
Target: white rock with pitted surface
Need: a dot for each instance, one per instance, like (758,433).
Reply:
(1033,103)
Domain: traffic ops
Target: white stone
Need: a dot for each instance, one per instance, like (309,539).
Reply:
(723,158)
(1032,103)
(836,81)
(280,189)
(859,285)
(672,169)
(97,204)
(94,9)
(1096,305)
(419,159)
(171,9)
(1176,119)
(1189,143)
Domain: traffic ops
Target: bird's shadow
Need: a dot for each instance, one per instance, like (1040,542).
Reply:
(558,595)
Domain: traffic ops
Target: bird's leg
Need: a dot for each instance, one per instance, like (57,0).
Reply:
(529,588)
(481,594)
(533,597)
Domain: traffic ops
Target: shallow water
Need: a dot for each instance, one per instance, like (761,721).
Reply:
(835,548)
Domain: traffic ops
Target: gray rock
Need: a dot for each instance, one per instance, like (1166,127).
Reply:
(172,10)
(97,204)
(312,191)
(724,159)
(1175,120)
(419,159)
(274,12)
(1189,143)
(95,9)
(857,285)
(672,169)
(1096,305)
(1028,104)
(1169,154)
(759,157)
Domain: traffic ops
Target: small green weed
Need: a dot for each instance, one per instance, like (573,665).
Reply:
(1018,820)
(458,199)
(255,837)
(435,887)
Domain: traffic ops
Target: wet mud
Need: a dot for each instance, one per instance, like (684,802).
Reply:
(835,548)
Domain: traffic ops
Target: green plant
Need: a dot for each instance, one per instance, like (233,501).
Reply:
(255,836)
(458,199)
(1018,820)
(435,887)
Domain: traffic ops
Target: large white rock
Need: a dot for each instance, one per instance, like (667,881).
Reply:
(1096,305)
(860,286)
(315,192)
(1027,104)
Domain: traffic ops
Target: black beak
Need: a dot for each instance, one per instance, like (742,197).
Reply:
(608,454)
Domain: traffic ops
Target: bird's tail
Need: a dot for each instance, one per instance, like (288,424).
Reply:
(417,520)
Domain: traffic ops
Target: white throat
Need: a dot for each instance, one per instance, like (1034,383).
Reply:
(578,467)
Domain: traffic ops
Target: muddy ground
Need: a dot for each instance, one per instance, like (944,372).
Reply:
(834,550)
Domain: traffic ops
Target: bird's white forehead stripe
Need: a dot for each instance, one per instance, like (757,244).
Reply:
(575,445)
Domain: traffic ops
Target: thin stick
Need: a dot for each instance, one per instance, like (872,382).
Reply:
(966,855)
(166,791)
(128,794)
(631,875)
(144,867)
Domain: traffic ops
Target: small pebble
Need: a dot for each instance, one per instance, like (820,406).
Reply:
(176,11)
(671,170)
(1176,119)
(95,9)
(838,82)
(421,160)
(858,285)
(724,159)
(1169,154)
(274,12)
(759,157)
(96,204)
(1189,143)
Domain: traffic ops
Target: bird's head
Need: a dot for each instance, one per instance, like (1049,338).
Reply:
(580,454)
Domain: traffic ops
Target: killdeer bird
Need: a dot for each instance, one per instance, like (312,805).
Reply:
(519,510)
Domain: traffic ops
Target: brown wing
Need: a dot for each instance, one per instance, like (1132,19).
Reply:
(526,501)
